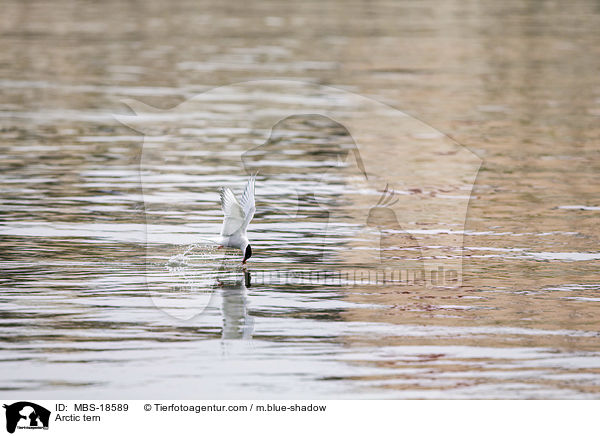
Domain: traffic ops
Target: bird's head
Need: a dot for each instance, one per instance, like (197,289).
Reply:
(247,252)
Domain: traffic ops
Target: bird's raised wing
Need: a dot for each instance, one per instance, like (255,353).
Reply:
(247,201)
(234,215)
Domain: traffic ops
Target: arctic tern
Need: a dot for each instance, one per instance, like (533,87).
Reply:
(238,215)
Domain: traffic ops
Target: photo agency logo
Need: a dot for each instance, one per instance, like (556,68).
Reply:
(350,191)
(24,415)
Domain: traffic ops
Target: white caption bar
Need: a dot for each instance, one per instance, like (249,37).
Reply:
(277,417)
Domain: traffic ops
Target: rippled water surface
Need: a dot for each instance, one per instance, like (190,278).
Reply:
(111,286)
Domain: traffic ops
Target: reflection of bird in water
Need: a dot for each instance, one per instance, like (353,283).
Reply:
(397,248)
(237,324)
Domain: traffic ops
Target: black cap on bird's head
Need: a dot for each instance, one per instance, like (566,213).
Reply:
(247,253)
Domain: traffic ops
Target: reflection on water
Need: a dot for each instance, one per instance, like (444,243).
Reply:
(108,287)
(237,324)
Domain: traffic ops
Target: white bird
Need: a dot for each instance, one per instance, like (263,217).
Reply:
(237,217)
